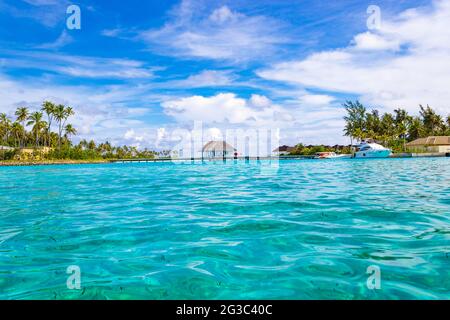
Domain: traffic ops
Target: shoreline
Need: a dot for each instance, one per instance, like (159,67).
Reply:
(14,163)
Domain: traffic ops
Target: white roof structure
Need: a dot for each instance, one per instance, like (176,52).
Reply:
(218,146)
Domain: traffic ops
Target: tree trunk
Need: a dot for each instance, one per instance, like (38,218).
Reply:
(24,131)
(59,138)
(47,139)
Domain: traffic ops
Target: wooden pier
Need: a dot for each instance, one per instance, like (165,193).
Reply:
(281,158)
(227,159)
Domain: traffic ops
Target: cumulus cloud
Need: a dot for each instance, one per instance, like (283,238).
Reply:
(309,118)
(227,108)
(260,101)
(371,41)
(132,135)
(403,64)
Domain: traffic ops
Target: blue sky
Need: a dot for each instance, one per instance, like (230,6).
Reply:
(137,70)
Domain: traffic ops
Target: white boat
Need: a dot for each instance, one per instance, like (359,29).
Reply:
(372,150)
(331,155)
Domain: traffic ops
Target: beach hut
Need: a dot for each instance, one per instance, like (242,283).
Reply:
(434,144)
(283,150)
(217,149)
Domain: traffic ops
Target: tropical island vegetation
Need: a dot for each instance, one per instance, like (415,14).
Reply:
(41,143)
(392,130)
(49,134)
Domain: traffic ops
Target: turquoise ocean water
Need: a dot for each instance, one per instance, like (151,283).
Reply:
(308,230)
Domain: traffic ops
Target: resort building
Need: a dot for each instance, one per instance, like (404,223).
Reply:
(282,151)
(439,144)
(43,150)
(218,149)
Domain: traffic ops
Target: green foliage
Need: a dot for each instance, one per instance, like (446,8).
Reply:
(7,154)
(392,130)
(14,134)
(300,149)
(90,151)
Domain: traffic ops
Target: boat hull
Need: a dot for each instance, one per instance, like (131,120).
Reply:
(343,156)
(373,154)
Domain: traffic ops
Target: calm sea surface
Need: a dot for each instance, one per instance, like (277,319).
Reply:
(307,230)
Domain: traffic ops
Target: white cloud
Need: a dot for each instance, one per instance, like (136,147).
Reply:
(227,108)
(206,78)
(100,112)
(309,118)
(223,34)
(111,32)
(103,113)
(404,64)
(132,135)
(63,40)
(260,101)
(46,12)
(372,41)
(79,66)
(223,14)
(316,99)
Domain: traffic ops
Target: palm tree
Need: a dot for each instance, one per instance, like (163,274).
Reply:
(22,114)
(433,122)
(83,144)
(91,145)
(49,108)
(5,126)
(61,114)
(38,124)
(416,128)
(448,124)
(401,121)
(69,131)
(17,131)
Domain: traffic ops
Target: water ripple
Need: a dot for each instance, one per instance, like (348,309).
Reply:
(225,231)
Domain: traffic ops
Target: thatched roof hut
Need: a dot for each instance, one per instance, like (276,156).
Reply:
(283,150)
(214,149)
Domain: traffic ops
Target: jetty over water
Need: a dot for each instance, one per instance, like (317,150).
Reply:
(215,159)
(287,157)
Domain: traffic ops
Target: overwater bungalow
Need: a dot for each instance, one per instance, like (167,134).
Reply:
(433,144)
(218,149)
